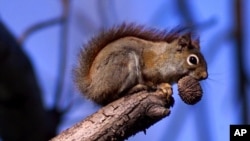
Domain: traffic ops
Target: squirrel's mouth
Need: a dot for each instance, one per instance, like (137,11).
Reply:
(200,76)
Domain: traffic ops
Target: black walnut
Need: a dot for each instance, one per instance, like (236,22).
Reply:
(190,90)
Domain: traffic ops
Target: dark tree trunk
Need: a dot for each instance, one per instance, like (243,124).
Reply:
(22,115)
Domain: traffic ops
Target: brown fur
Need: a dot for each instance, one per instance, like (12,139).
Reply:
(96,44)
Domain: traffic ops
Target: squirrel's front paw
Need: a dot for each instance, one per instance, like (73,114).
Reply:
(167,92)
(165,88)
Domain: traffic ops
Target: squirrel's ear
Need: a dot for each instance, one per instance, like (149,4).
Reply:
(184,41)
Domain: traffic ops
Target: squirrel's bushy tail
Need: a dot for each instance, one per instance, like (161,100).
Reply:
(86,58)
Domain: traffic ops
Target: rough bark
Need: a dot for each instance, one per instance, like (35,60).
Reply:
(121,119)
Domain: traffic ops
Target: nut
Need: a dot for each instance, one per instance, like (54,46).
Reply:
(189,90)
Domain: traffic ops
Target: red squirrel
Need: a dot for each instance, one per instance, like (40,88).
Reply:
(130,57)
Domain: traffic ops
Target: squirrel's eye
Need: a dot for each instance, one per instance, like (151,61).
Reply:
(192,60)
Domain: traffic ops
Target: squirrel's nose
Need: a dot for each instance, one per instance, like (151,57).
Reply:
(203,75)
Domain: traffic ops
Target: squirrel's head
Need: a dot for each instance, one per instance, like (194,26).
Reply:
(190,57)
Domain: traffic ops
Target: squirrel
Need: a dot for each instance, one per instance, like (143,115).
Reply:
(132,57)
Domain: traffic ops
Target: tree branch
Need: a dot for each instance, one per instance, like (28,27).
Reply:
(121,118)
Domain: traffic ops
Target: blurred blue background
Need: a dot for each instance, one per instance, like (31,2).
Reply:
(224,29)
